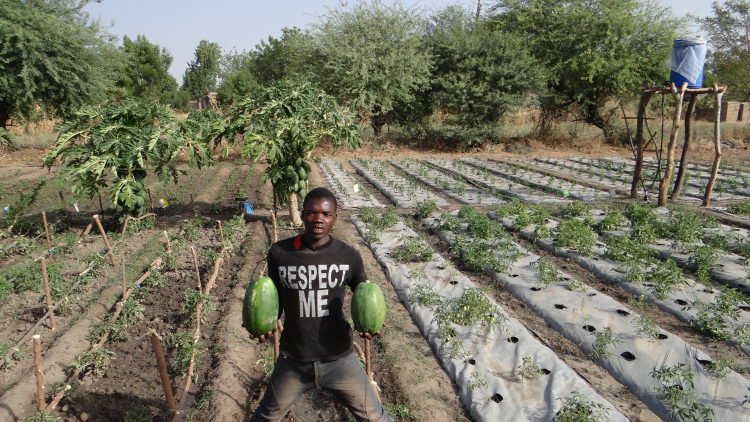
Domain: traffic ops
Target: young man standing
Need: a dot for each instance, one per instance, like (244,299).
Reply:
(311,273)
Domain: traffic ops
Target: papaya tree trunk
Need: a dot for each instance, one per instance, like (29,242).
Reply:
(294,210)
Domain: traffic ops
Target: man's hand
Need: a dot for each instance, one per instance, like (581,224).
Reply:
(369,336)
(263,337)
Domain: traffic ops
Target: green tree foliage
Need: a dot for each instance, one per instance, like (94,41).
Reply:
(480,74)
(371,56)
(114,146)
(52,55)
(290,57)
(728,31)
(283,122)
(595,51)
(202,73)
(146,75)
(235,86)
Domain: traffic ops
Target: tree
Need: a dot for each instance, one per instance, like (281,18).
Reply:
(236,86)
(114,146)
(371,56)
(595,51)
(728,33)
(51,55)
(480,74)
(202,73)
(283,123)
(288,57)
(146,75)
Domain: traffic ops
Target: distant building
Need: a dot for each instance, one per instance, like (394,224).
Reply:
(209,102)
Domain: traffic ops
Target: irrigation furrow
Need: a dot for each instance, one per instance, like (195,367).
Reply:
(495,184)
(404,193)
(605,331)
(349,193)
(451,186)
(485,367)
(538,181)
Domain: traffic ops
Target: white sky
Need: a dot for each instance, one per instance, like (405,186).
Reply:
(179,25)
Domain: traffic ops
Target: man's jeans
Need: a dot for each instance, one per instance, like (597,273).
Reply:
(344,377)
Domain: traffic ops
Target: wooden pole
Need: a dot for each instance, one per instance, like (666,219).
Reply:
(122,259)
(169,247)
(221,232)
(277,340)
(197,271)
(104,236)
(46,230)
(162,364)
(47,293)
(718,93)
(640,145)
(38,372)
(368,368)
(678,95)
(686,147)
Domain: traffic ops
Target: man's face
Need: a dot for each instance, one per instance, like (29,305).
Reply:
(319,216)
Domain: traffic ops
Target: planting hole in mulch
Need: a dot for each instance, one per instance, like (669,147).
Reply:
(745,308)
(680,302)
(453,282)
(497,398)
(623,312)
(589,328)
(546,371)
(704,362)
(662,337)
(628,356)
(513,340)
(514,275)
(560,306)
(471,361)
(591,294)
(535,289)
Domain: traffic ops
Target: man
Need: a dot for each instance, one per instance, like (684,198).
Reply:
(311,273)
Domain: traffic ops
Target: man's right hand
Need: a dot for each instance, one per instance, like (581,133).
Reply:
(263,337)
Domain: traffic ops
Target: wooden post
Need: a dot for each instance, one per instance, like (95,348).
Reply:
(162,364)
(46,292)
(197,271)
(46,230)
(368,368)
(169,247)
(277,340)
(678,95)
(221,232)
(122,259)
(686,147)
(38,372)
(640,145)
(718,93)
(104,236)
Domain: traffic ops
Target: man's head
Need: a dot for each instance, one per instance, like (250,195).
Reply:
(319,214)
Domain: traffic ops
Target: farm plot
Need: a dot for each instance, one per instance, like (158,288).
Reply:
(691,188)
(349,193)
(404,192)
(633,266)
(732,180)
(494,184)
(547,182)
(652,367)
(450,185)
(502,371)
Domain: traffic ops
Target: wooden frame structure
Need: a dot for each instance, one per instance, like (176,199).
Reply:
(679,94)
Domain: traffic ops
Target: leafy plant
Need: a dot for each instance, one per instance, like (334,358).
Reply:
(576,234)
(704,259)
(425,208)
(578,408)
(546,272)
(193,298)
(132,312)
(603,340)
(43,416)
(576,209)
(683,402)
(413,248)
(613,221)
(447,222)
(139,414)
(473,308)
(529,369)
(722,366)
(719,319)
(425,295)
(665,278)
(94,362)
(182,346)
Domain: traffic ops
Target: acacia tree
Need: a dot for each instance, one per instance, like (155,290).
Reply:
(283,123)
(51,55)
(371,56)
(595,51)
(114,146)
(202,72)
(728,32)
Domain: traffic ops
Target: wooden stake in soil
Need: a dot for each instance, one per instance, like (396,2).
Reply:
(46,293)
(221,232)
(169,247)
(38,372)
(197,271)
(276,340)
(685,147)
(46,230)
(104,236)
(122,260)
(367,368)
(678,95)
(162,364)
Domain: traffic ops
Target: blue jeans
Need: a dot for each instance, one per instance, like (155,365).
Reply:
(344,377)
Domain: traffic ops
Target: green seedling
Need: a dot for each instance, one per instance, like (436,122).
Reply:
(94,362)
(183,346)
(529,369)
(578,408)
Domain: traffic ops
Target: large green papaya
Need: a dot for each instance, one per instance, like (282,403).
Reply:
(298,161)
(306,166)
(302,173)
(260,308)
(368,308)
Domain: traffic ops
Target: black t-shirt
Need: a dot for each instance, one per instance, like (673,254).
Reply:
(311,285)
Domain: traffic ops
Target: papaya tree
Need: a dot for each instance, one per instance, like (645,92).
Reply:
(115,145)
(283,123)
